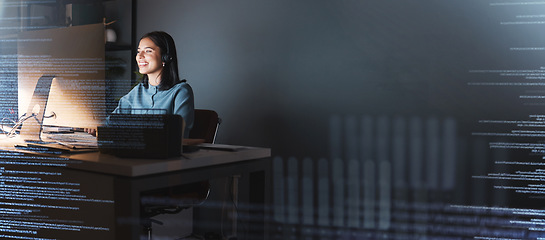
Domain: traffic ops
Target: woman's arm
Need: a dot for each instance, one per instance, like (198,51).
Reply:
(185,107)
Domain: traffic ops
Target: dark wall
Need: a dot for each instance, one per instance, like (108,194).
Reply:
(382,115)
(277,71)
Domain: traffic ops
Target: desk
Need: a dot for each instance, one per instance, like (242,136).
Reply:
(113,186)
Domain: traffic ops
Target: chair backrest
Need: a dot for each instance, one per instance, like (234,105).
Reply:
(205,125)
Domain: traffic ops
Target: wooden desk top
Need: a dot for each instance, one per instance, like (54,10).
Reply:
(134,167)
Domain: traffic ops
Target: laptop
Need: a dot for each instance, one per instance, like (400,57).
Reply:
(142,135)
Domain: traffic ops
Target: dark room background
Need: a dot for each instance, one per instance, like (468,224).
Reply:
(373,106)
(279,71)
(387,119)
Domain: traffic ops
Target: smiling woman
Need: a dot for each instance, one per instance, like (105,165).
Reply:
(161,87)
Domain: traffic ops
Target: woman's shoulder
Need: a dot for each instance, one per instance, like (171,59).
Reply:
(181,86)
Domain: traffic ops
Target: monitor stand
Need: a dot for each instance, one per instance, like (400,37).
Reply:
(32,121)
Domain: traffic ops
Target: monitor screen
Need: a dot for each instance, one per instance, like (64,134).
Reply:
(75,57)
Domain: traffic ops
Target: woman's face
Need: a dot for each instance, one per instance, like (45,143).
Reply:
(148,57)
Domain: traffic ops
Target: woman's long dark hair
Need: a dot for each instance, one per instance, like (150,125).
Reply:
(169,74)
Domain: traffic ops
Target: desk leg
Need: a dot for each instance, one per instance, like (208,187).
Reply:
(258,190)
(267,198)
(234,213)
(127,210)
(257,199)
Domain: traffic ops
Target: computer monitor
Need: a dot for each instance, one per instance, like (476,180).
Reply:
(75,56)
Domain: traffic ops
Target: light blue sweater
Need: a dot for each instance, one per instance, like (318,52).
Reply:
(176,100)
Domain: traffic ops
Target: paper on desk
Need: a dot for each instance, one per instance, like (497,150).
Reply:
(221,147)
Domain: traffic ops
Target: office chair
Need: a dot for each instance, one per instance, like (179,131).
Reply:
(173,200)
(205,126)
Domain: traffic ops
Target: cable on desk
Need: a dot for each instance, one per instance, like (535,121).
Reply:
(20,121)
(2,124)
(13,131)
